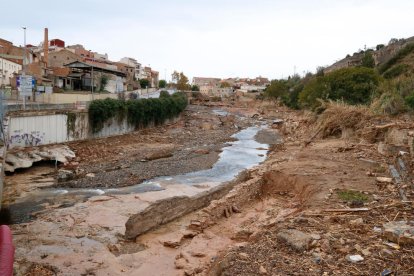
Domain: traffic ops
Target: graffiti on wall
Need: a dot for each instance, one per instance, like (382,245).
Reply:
(25,139)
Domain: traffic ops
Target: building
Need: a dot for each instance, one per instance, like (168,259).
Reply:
(129,71)
(79,50)
(154,78)
(216,91)
(57,43)
(8,69)
(85,75)
(60,58)
(200,81)
(139,73)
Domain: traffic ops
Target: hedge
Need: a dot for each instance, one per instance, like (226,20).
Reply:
(139,113)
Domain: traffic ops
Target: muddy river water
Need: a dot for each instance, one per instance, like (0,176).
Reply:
(239,155)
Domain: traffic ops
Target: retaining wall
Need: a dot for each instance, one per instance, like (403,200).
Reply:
(42,128)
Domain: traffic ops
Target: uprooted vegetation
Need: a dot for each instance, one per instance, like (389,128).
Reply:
(339,117)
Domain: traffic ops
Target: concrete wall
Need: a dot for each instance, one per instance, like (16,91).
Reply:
(37,130)
(27,130)
(63,98)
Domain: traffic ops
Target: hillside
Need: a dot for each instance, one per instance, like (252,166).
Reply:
(391,60)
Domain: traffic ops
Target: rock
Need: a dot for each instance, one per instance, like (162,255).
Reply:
(296,239)
(114,248)
(180,263)
(366,252)
(390,149)
(377,229)
(206,126)
(242,235)
(301,220)
(384,179)
(65,175)
(202,151)
(173,242)
(262,270)
(354,258)
(400,232)
(386,252)
(317,259)
(316,236)
(91,175)
(244,255)
(357,221)
(198,254)
(325,245)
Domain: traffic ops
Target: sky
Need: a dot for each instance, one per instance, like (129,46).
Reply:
(215,38)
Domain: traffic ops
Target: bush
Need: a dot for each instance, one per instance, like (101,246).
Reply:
(140,113)
(351,85)
(164,94)
(409,101)
(395,71)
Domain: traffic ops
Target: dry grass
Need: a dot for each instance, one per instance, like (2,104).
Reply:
(339,117)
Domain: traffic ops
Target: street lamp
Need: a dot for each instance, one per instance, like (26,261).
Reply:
(2,66)
(25,53)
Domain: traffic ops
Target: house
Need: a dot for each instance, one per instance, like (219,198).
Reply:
(7,70)
(139,73)
(129,71)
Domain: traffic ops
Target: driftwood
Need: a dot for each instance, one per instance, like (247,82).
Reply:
(348,210)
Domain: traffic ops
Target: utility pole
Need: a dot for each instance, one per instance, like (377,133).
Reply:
(92,81)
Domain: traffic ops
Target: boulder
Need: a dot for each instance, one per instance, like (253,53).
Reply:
(297,240)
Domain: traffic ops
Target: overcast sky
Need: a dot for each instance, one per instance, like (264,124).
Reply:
(215,38)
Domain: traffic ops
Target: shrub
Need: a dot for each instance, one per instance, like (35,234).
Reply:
(388,103)
(140,113)
(395,71)
(164,94)
(409,101)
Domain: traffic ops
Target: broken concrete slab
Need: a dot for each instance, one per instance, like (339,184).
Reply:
(166,210)
(400,232)
(24,158)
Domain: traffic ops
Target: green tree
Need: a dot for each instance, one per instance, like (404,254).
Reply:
(276,90)
(144,83)
(368,60)
(181,80)
(162,83)
(353,85)
(103,82)
(195,88)
(315,89)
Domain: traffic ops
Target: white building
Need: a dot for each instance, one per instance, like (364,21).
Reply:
(139,71)
(7,69)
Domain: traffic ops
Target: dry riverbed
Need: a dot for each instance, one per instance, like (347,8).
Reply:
(319,205)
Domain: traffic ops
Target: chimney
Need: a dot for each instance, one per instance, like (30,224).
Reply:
(46,47)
